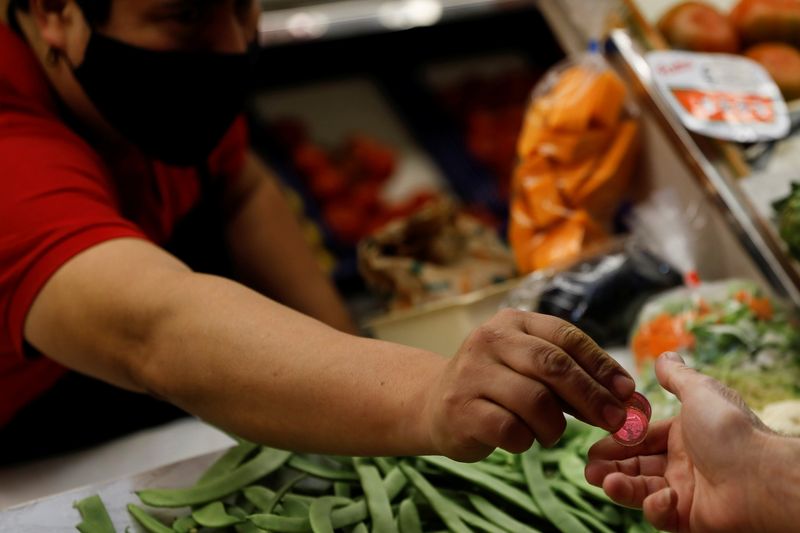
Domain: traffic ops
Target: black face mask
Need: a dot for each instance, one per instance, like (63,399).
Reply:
(174,105)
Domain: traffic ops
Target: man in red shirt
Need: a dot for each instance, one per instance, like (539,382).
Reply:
(117,124)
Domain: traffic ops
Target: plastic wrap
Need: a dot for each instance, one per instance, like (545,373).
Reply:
(729,330)
(602,294)
(576,152)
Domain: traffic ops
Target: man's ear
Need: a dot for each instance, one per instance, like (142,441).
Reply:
(54,18)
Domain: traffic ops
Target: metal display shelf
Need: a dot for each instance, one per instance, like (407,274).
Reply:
(283,22)
(713,173)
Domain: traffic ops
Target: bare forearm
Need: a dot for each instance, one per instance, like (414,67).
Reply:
(273,375)
(272,256)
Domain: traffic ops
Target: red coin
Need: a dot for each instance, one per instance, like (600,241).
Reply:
(638,401)
(635,429)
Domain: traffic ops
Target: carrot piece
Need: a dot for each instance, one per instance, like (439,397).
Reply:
(571,177)
(664,333)
(520,234)
(545,205)
(601,192)
(608,97)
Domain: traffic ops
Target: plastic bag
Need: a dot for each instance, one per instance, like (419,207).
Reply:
(601,295)
(577,152)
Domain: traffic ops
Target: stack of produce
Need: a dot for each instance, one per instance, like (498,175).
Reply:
(251,489)
(347,181)
(729,331)
(576,155)
(763,30)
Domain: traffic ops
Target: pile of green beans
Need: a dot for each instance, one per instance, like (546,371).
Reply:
(255,489)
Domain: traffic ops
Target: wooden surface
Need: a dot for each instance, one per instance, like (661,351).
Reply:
(56,513)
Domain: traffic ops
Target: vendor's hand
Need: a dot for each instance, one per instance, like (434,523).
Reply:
(512,379)
(698,471)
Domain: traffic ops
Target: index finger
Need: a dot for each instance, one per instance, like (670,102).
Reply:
(594,360)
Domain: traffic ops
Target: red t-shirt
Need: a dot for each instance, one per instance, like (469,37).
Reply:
(59,197)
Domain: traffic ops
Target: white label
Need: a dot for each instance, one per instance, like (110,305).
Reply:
(721,95)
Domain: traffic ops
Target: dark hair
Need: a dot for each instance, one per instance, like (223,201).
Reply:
(95,11)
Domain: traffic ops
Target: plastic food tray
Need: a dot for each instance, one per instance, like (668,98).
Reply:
(441,326)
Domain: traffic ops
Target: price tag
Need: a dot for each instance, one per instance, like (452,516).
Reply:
(720,95)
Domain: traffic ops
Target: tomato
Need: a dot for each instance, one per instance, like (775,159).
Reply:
(699,27)
(782,61)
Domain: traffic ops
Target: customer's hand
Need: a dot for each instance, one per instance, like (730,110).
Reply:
(702,470)
(511,381)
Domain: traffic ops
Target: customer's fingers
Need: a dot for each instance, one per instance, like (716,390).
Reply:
(655,443)
(640,465)
(661,509)
(631,491)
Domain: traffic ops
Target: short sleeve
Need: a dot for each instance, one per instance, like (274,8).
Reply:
(56,200)
(227,159)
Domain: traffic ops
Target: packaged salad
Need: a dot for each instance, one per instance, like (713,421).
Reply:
(729,330)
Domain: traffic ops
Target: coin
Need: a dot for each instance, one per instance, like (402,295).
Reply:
(634,430)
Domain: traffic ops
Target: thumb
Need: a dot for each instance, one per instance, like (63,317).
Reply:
(674,375)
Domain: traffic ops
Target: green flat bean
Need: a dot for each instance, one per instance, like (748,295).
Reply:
(341,489)
(320,513)
(148,522)
(228,461)
(184,524)
(486,481)
(408,517)
(378,505)
(501,472)
(572,468)
(282,524)
(261,497)
(590,520)
(295,508)
(361,527)
(356,512)
(94,516)
(385,464)
(573,494)
(303,464)
(494,514)
(501,457)
(552,508)
(276,498)
(475,520)
(443,507)
(248,527)
(214,515)
(266,462)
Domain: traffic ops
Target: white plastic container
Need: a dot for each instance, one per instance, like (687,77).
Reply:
(441,326)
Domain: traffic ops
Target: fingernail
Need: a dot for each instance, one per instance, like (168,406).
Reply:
(614,416)
(623,386)
(673,356)
(664,499)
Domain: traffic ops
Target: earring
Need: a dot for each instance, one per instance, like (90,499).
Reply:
(52,56)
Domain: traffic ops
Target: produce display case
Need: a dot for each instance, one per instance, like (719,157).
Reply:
(741,181)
